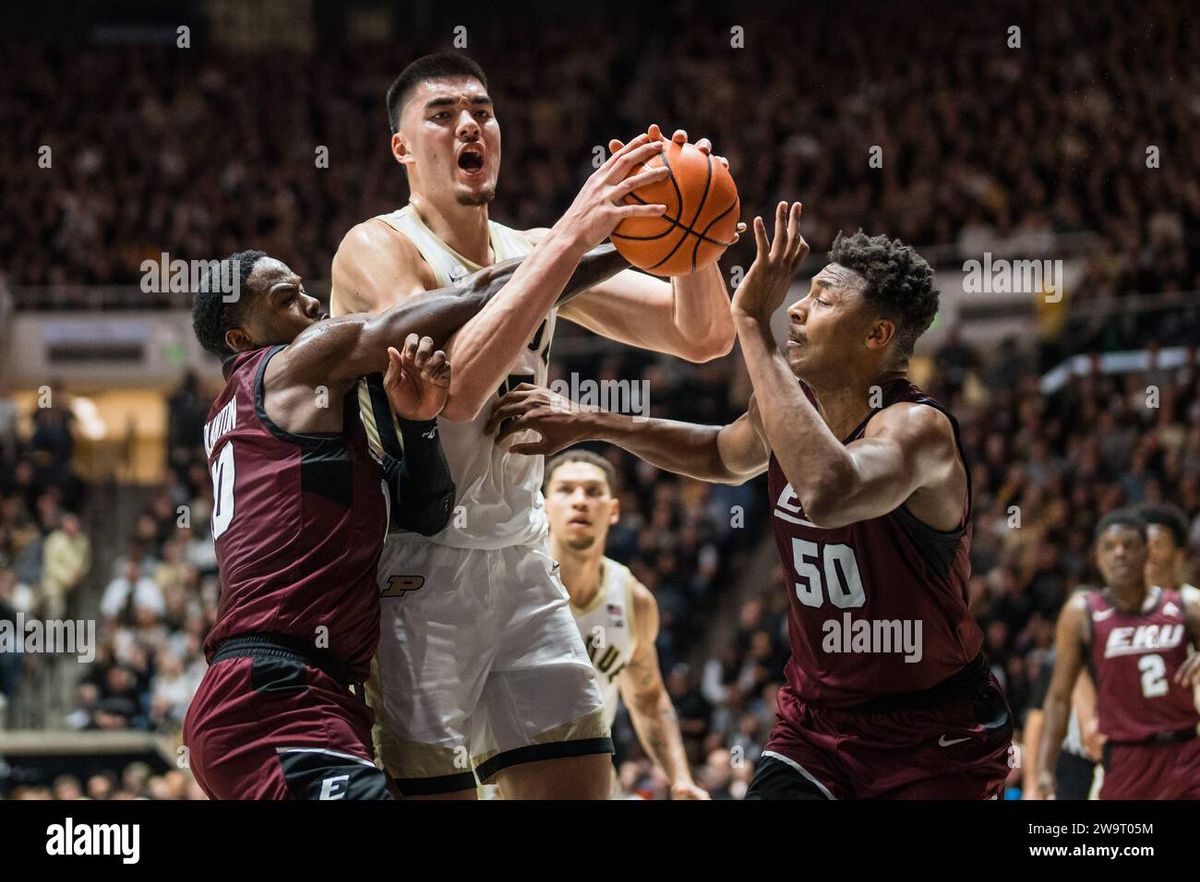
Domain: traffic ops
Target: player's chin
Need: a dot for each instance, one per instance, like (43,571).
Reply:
(472,190)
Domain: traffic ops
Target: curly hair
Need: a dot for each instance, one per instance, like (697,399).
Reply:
(212,316)
(899,282)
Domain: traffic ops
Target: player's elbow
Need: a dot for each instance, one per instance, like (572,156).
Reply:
(461,409)
(717,343)
(465,401)
(826,507)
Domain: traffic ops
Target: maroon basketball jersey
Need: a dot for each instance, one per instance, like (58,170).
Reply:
(1134,657)
(298,520)
(877,607)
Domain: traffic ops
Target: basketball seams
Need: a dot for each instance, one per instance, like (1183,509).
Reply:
(701,237)
(687,229)
(700,208)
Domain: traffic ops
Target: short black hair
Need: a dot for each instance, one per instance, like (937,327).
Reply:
(1122,517)
(581,455)
(899,282)
(212,316)
(1169,516)
(438,66)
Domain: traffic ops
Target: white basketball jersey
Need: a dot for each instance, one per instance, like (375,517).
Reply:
(499,499)
(606,624)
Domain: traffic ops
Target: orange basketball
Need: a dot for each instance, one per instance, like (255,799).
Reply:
(700,221)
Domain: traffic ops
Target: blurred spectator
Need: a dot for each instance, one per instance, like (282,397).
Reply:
(66,559)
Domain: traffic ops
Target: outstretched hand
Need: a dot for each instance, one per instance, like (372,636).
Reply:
(775,266)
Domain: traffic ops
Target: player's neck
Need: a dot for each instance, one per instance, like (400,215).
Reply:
(844,403)
(462,227)
(1163,579)
(580,572)
(1131,597)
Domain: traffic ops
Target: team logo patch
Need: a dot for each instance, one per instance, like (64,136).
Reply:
(398,586)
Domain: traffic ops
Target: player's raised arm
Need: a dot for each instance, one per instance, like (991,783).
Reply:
(485,348)
(730,454)
(339,350)
(905,448)
(687,317)
(1069,647)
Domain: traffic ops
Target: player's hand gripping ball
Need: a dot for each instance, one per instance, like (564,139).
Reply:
(701,220)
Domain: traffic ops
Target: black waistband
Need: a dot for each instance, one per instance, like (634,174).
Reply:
(1157,738)
(265,645)
(959,685)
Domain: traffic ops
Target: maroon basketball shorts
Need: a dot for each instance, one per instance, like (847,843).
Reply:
(1168,770)
(958,749)
(265,727)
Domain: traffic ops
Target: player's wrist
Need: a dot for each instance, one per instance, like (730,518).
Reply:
(568,238)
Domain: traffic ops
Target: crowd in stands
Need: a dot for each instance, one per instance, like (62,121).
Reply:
(985,144)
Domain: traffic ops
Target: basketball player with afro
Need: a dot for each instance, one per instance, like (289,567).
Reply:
(887,693)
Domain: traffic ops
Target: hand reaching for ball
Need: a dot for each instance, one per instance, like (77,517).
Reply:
(654,133)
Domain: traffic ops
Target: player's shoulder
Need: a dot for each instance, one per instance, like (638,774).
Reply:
(912,421)
(374,236)
(624,579)
(641,598)
(1078,607)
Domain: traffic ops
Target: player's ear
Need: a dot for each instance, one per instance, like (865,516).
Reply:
(615,515)
(238,340)
(883,331)
(400,149)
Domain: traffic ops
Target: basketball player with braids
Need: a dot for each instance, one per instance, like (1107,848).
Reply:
(481,673)
(1134,637)
(887,693)
(616,614)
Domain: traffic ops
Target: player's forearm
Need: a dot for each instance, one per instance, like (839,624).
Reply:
(657,728)
(1031,748)
(1056,712)
(440,313)
(420,483)
(701,313)
(815,462)
(683,448)
(484,350)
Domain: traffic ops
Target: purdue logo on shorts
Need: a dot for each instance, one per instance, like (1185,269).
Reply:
(398,586)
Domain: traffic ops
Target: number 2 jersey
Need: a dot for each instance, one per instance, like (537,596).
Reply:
(1134,657)
(877,607)
(298,520)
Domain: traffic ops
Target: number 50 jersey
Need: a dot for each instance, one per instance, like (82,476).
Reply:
(877,607)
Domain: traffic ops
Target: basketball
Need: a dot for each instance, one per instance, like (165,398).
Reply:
(701,217)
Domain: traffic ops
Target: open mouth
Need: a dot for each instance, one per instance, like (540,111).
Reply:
(471,159)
